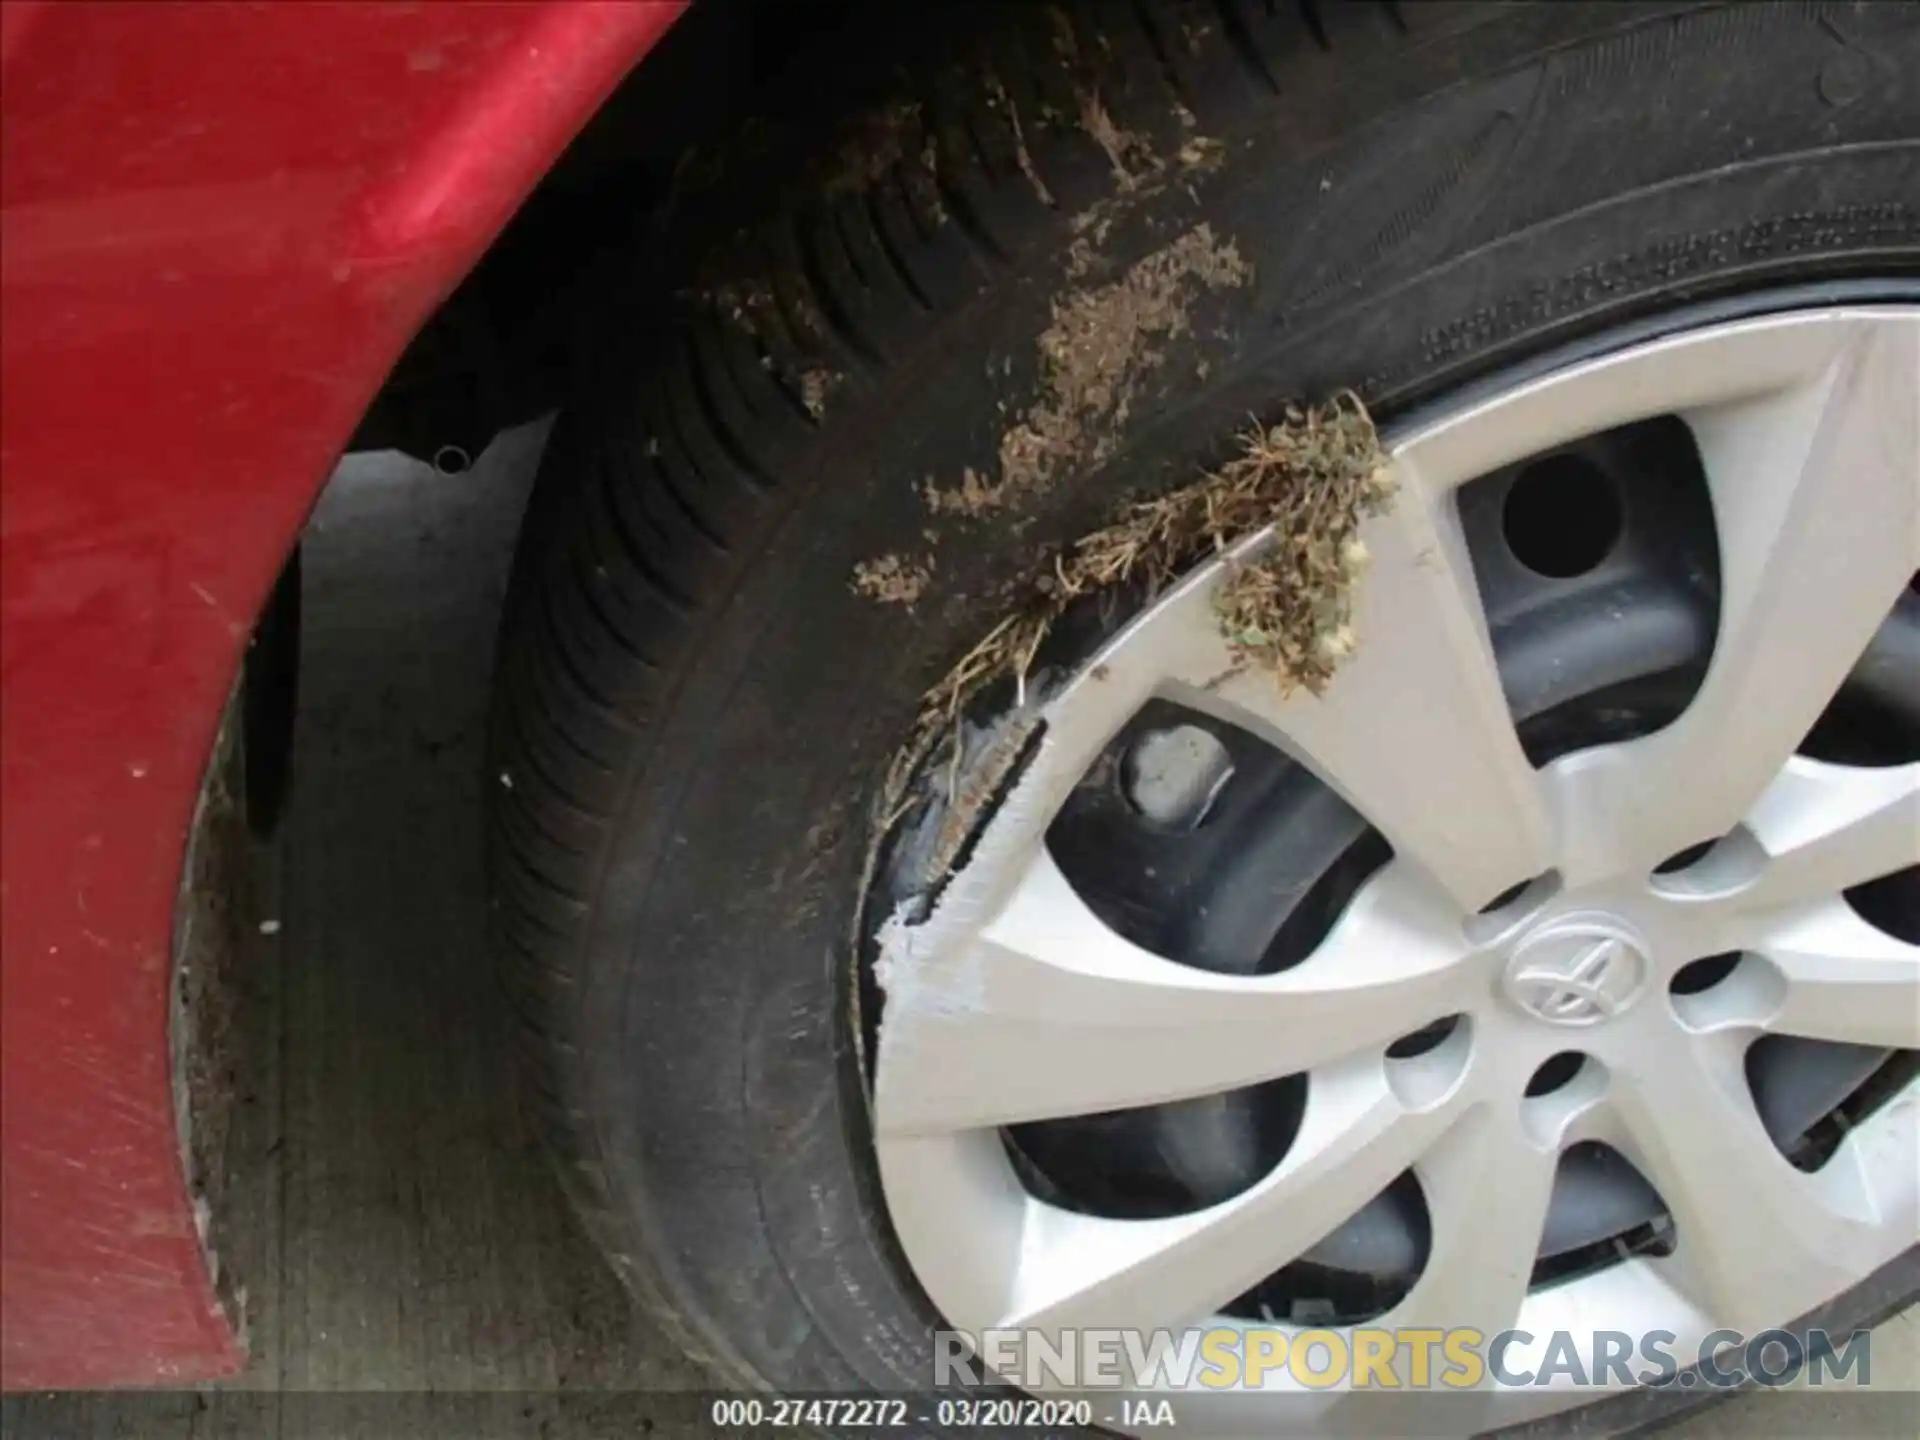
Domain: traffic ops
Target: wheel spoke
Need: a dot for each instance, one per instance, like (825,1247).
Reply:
(1414,730)
(1048,1012)
(1822,828)
(1486,1233)
(1085,1271)
(1755,1237)
(1832,976)
(1816,496)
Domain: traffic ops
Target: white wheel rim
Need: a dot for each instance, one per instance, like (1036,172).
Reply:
(1013,1002)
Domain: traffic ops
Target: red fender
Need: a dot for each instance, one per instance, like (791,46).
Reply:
(219,225)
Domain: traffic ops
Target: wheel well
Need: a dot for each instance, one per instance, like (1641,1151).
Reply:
(497,352)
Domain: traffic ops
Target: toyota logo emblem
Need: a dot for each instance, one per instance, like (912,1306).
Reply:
(1578,971)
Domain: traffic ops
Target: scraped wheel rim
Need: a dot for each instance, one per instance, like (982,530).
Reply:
(1526,915)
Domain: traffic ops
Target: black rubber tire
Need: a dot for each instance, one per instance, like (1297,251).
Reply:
(695,708)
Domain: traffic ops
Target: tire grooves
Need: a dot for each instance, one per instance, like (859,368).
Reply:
(1315,22)
(555,682)
(702,532)
(533,883)
(537,757)
(847,242)
(923,226)
(692,455)
(519,916)
(966,219)
(530,834)
(595,597)
(530,939)
(531,770)
(519,884)
(543,901)
(581,654)
(742,366)
(620,548)
(992,171)
(889,246)
(888,308)
(1157,43)
(606,569)
(613,564)
(697,402)
(628,517)
(1240,40)
(796,335)
(817,264)
(570,826)
(1150,95)
(569,668)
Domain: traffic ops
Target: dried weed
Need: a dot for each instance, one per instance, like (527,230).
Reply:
(1101,342)
(1312,478)
(892,579)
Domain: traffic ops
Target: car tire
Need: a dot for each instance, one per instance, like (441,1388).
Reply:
(786,503)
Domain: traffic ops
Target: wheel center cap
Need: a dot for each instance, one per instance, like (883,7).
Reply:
(1577,970)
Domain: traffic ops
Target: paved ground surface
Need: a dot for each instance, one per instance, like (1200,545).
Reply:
(410,1266)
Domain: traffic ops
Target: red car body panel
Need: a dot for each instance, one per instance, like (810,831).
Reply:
(219,225)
